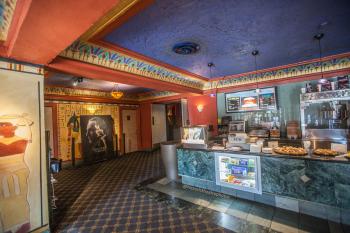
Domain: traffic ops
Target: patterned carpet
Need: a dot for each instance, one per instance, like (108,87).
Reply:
(102,198)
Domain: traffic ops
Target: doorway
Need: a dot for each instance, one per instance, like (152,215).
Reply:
(173,121)
(129,130)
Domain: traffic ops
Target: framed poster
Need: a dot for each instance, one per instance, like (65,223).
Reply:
(97,137)
(251,100)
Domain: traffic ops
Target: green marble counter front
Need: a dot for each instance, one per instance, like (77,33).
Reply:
(317,181)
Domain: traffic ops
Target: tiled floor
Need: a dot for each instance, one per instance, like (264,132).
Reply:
(243,216)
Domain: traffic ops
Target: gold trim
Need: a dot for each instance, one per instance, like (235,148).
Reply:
(121,8)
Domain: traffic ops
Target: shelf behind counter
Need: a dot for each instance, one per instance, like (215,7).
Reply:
(303,184)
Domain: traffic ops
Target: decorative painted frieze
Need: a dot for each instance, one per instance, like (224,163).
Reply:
(7,9)
(333,95)
(66,91)
(97,55)
(278,74)
(152,95)
(10,65)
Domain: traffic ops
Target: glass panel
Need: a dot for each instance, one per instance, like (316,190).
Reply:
(237,171)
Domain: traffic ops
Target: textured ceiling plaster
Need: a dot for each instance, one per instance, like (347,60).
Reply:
(228,30)
(66,80)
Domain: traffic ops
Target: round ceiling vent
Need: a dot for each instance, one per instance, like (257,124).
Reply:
(186,48)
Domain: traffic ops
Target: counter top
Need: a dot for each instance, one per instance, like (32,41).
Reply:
(337,159)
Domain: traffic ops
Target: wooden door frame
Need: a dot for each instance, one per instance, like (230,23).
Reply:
(138,124)
(54,135)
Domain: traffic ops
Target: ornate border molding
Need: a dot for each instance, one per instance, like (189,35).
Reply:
(15,66)
(98,55)
(7,9)
(75,92)
(294,71)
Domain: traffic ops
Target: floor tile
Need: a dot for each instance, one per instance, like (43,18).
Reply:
(335,227)
(285,221)
(308,223)
(261,215)
(230,222)
(239,209)
(254,228)
(220,204)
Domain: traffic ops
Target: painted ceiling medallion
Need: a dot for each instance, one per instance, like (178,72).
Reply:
(186,48)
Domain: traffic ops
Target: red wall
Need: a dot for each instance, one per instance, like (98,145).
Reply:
(209,114)
(145,125)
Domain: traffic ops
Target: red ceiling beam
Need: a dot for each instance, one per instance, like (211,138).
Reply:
(97,72)
(46,27)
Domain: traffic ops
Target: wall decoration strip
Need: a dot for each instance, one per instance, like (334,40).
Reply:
(294,71)
(66,91)
(7,9)
(16,66)
(98,55)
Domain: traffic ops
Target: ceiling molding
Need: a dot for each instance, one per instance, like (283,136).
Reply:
(83,94)
(7,9)
(115,17)
(296,71)
(115,60)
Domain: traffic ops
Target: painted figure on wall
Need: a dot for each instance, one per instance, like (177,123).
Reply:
(15,134)
(97,137)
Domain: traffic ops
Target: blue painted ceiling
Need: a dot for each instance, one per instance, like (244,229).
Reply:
(228,30)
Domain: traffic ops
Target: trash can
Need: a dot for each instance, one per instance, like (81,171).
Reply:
(168,153)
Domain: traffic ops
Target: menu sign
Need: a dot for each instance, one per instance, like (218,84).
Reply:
(251,100)
(234,103)
(267,101)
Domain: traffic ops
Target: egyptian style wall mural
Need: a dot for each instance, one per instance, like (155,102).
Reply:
(23,187)
(15,133)
(68,115)
(7,9)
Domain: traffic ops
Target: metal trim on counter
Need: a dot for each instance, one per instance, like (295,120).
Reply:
(307,157)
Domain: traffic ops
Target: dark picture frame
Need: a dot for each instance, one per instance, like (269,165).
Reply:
(97,133)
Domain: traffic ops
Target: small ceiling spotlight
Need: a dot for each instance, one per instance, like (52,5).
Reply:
(76,81)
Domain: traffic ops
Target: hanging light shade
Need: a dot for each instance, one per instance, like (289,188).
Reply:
(115,93)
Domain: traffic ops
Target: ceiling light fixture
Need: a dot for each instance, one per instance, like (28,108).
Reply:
(76,81)
(186,48)
(211,65)
(256,53)
(319,37)
(116,93)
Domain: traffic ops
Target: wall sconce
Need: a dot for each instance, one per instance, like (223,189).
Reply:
(200,107)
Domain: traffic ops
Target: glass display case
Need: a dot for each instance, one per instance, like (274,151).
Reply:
(325,115)
(238,172)
(194,136)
